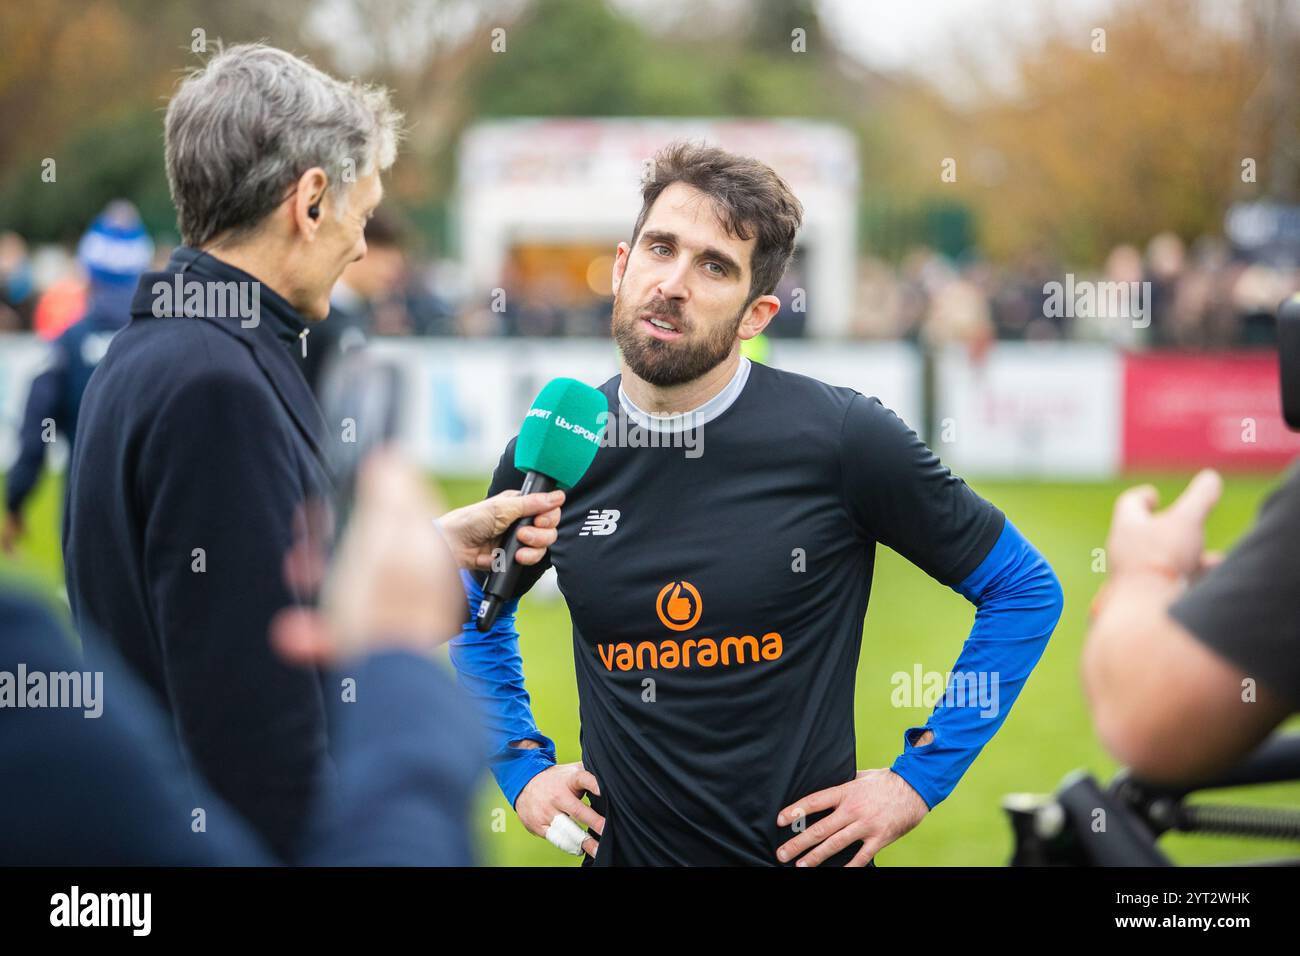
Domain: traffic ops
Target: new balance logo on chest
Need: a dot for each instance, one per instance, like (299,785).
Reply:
(600,522)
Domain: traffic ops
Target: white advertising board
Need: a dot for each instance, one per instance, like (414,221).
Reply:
(1030,410)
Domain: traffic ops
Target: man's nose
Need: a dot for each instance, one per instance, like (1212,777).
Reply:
(673,284)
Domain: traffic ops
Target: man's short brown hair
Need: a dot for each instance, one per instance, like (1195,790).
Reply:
(752,200)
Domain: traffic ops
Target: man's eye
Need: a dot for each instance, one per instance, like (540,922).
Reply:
(714,265)
(657,246)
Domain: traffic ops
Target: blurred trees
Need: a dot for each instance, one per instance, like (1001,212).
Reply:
(84,82)
(426,52)
(585,58)
(1095,148)
(1086,149)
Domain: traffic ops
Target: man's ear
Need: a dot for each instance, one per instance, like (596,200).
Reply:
(620,265)
(310,195)
(760,312)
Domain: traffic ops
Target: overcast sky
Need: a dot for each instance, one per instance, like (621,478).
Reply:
(921,36)
(924,35)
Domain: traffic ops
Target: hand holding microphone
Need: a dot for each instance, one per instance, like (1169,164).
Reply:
(472,532)
(392,576)
(557,443)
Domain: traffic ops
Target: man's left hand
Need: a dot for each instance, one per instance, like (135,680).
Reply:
(876,807)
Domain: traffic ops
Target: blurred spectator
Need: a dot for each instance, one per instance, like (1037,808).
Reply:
(17,287)
(537,308)
(1124,267)
(434,291)
(879,314)
(1164,269)
(365,301)
(430,312)
(114,252)
(959,314)
(1255,296)
(62,297)
(1198,298)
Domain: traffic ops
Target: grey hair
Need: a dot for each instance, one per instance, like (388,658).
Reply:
(243,128)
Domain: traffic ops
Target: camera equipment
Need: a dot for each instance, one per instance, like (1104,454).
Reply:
(1083,825)
(1288,358)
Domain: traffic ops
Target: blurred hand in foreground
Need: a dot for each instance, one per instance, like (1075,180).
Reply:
(1171,541)
(392,583)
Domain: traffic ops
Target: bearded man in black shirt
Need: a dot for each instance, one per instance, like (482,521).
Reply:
(718,585)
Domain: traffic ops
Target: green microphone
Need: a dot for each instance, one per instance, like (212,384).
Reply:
(557,443)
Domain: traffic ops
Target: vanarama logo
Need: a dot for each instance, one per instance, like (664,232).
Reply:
(678,611)
(679,606)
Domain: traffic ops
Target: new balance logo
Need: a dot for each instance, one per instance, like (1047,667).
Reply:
(600,522)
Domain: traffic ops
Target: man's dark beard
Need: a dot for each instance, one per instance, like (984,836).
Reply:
(663,363)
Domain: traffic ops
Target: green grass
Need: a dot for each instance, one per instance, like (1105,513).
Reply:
(911,619)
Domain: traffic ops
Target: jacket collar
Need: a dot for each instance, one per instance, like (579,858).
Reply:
(197,285)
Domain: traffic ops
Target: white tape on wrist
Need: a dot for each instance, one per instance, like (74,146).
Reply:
(565,834)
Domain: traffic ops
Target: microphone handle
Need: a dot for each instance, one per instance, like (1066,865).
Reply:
(502,584)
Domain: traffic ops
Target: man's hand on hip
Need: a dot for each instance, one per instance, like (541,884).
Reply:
(876,807)
(558,791)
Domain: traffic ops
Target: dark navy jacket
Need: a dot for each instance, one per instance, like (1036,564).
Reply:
(198,443)
(109,790)
(56,392)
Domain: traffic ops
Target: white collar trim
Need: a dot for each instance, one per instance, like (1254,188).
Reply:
(695,417)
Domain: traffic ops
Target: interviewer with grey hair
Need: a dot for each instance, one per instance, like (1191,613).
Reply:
(274,165)
(201,447)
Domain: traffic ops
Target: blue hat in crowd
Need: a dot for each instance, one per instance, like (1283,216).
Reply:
(116,249)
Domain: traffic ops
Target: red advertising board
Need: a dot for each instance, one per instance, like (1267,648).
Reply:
(1187,411)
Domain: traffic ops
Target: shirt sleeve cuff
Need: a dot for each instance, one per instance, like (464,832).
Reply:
(515,768)
(910,765)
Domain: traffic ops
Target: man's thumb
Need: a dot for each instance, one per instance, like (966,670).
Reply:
(1201,495)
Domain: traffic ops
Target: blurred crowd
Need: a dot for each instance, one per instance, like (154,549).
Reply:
(1202,297)
(46,288)
(1198,298)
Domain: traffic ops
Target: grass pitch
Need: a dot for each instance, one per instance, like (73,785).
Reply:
(911,619)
